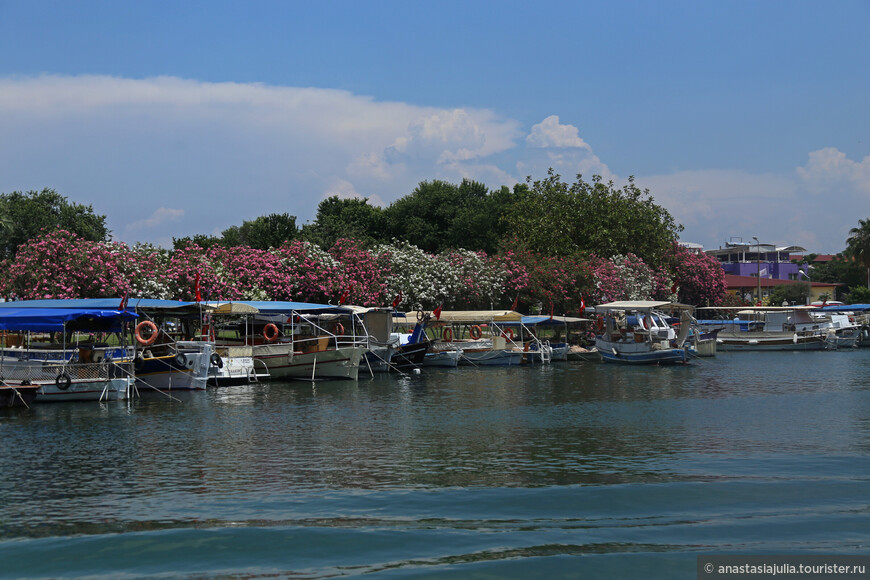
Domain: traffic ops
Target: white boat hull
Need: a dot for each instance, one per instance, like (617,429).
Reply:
(284,363)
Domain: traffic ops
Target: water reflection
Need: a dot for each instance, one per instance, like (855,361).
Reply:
(201,455)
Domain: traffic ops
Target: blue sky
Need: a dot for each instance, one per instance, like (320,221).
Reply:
(176,118)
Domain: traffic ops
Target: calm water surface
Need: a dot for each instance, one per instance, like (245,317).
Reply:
(567,471)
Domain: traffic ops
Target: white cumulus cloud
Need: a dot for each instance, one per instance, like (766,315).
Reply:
(829,169)
(551,133)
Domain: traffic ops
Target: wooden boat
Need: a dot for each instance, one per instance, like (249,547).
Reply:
(17,395)
(765,328)
(544,338)
(297,340)
(636,332)
(579,353)
(476,333)
(53,349)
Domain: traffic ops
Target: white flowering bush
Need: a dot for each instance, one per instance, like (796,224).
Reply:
(454,279)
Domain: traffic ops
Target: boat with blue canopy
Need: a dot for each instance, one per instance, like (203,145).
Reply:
(62,350)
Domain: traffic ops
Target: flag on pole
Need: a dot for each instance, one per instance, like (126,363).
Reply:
(344,295)
(123,305)
(437,312)
(196,293)
(582,305)
(397,300)
(516,302)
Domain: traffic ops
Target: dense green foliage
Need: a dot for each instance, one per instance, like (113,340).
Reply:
(439,216)
(790,294)
(24,215)
(558,219)
(345,218)
(268,231)
(858,245)
(843,269)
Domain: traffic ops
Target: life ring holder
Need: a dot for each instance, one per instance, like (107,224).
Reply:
(447,334)
(138,333)
(270,332)
(475,332)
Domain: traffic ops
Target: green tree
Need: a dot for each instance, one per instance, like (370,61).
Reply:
(201,240)
(24,215)
(858,295)
(858,245)
(351,218)
(268,231)
(842,269)
(439,216)
(790,293)
(557,218)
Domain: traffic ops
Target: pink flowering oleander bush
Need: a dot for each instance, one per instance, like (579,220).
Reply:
(699,278)
(544,283)
(363,274)
(625,278)
(61,264)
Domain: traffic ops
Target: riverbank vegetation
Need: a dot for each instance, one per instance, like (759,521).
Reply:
(546,245)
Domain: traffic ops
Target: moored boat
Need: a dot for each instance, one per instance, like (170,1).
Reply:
(637,332)
(20,395)
(55,349)
(297,340)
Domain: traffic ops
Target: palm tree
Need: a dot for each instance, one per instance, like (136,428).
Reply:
(858,244)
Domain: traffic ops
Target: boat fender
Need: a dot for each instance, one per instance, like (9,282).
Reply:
(152,336)
(62,381)
(270,332)
(475,332)
(216,360)
(181,360)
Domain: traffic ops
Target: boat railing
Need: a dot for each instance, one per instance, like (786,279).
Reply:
(51,372)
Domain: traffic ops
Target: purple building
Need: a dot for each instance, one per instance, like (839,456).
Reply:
(754,259)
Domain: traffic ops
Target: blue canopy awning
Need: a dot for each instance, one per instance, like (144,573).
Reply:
(63,319)
(845,308)
(278,307)
(99,303)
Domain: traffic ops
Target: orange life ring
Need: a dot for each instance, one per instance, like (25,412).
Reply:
(270,332)
(508,333)
(475,332)
(447,334)
(338,328)
(600,324)
(646,322)
(152,336)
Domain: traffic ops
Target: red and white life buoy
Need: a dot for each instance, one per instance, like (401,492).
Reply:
(151,333)
(270,332)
